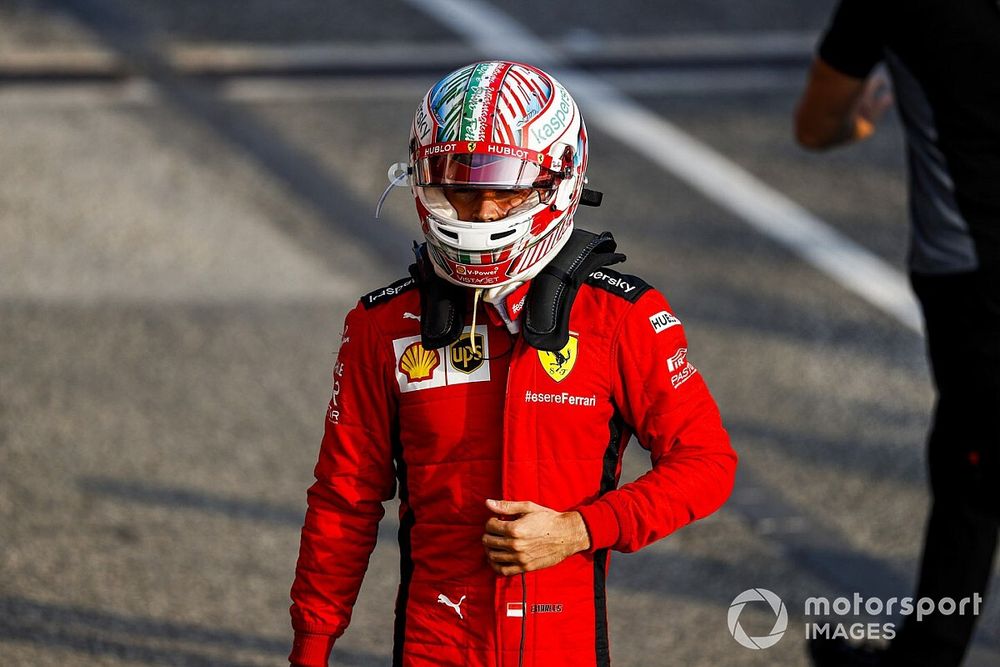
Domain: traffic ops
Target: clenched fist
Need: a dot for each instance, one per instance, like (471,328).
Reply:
(531,537)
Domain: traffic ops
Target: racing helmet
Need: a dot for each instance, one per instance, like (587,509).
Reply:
(497,125)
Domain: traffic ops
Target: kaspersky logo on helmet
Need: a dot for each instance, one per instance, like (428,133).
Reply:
(554,124)
(512,111)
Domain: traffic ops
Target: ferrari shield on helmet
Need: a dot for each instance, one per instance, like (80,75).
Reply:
(497,126)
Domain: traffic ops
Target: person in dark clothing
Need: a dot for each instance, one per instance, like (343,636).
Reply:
(944,60)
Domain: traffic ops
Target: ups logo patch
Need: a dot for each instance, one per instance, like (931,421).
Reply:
(559,364)
(463,358)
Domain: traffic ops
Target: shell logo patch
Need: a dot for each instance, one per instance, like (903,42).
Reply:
(559,364)
(418,368)
(418,363)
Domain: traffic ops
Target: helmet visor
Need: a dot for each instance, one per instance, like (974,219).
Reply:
(476,170)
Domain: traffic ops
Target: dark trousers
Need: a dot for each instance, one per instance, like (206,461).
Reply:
(962,315)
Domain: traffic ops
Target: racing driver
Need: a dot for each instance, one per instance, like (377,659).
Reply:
(498,385)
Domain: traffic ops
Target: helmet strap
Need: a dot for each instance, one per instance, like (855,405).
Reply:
(475,309)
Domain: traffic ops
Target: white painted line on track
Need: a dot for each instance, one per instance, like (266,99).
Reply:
(724,81)
(32,96)
(278,88)
(584,45)
(706,45)
(28,61)
(728,185)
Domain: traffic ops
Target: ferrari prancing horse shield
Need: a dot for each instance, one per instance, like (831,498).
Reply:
(559,364)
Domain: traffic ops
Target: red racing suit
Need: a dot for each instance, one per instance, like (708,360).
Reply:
(454,428)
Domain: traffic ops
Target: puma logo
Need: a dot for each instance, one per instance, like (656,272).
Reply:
(411,316)
(443,599)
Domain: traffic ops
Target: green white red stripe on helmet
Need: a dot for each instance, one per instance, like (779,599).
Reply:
(520,129)
(480,100)
(466,104)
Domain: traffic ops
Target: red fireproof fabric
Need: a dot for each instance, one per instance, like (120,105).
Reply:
(520,425)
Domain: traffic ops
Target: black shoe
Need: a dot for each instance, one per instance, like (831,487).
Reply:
(836,652)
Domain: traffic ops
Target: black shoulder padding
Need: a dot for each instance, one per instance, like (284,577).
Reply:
(546,318)
(627,287)
(382,295)
(442,305)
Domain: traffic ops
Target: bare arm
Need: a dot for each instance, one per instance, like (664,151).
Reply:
(837,109)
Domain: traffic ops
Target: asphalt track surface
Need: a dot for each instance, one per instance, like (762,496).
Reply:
(177,254)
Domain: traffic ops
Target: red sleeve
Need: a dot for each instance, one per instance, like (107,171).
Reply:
(663,397)
(354,475)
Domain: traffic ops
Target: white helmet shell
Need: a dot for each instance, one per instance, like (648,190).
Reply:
(499,126)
